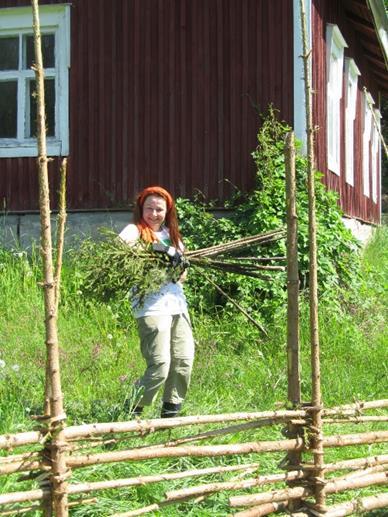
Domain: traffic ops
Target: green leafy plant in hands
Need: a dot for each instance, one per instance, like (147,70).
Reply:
(111,269)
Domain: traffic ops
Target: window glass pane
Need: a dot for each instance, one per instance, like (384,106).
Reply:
(9,53)
(8,109)
(49,87)
(48,50)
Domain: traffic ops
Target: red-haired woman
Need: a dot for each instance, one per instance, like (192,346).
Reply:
(163,321)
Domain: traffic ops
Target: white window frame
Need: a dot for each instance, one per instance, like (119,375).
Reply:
(366,139)
(375,154)
(351,80)
(334,66)
(53,19)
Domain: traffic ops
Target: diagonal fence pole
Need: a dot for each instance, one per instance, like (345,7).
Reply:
(57,416)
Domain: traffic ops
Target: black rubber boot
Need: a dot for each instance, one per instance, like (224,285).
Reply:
(169,410)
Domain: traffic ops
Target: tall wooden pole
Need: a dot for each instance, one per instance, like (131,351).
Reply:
(292,276)
(57,416)
(293,355)
(316,428)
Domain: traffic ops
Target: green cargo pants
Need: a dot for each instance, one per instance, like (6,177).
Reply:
(167,346)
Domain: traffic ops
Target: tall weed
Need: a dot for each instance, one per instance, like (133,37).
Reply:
(236,369)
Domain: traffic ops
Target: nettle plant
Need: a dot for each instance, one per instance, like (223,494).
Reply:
(261,210)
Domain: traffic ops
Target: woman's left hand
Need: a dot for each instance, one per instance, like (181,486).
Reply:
(183,276)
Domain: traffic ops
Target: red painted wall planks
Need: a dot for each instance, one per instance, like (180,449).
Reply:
(165,91)
(352,200)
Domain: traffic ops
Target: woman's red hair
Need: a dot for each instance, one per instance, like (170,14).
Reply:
(171,221)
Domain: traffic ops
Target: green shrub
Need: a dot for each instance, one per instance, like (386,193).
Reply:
(264,209)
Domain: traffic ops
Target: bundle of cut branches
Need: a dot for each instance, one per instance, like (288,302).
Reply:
(111,268)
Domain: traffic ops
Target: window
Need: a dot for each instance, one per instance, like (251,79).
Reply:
(375,154)
(335,57)
(351,79)
(17,80)
(366,138)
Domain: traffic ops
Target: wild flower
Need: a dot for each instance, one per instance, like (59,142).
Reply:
(2,363)
(20,254)
(15,368)
(110,337)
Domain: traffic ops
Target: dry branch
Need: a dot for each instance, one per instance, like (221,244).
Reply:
(37,495)
(236,485)
(221,450)
(150,426)
(237,305)
(331,487)
(11,441)
(165,502)
(187,451)
(20,511)
(204,451)
(218,432)
(356,419)
(27,509)
(355,463)
(146,426)
(27,456)
(61,223)
(358,406)
(269,497)
(236,244)
(364,504)
(263,509)
(364,472)
(139,511)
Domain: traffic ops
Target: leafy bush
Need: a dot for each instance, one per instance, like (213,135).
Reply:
(264,209)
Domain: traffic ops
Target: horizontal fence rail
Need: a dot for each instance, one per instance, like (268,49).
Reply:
(359,472)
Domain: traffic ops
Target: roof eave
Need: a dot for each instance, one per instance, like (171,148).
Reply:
(380,20)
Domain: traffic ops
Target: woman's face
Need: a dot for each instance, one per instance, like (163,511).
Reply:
(154,211)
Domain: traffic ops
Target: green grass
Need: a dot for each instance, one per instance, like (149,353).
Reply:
(236,369)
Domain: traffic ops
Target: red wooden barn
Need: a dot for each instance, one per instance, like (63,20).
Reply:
(142,92)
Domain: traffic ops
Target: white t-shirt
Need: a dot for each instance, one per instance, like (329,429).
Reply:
(170,298)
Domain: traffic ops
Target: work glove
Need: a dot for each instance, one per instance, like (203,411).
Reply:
(175,257)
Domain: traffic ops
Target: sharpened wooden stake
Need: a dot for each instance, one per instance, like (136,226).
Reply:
(293,359)
(317,476)
(293,352)
(56,411)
